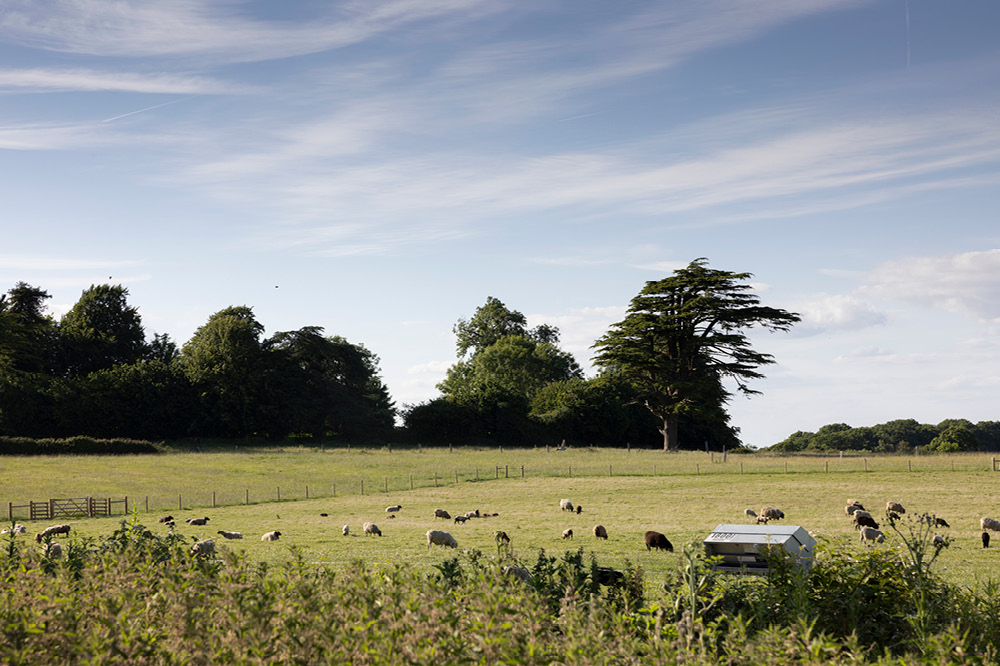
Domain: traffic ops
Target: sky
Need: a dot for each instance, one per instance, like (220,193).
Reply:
(381,168)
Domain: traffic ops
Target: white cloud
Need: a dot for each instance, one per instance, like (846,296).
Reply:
(967,284)
(75,80)
(824,312)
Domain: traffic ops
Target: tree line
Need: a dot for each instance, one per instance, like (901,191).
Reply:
(661,382)
(95,373)
(900,436)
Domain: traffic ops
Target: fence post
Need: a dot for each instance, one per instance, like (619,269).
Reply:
(866,464)
(828,466)
(609,471)
(506,471)
(436,477)
(335,490)
(571,470)
(456,477)
(741,468)
(279,493)
(147,503)
(522,471)
(385,483)
(909,465)
(477,474)
(10,511)
(248,497)
(180,505)
(496,472)
(411,482)
(697,469)
(307,492)
(786,467)
(213,499)
(362,486)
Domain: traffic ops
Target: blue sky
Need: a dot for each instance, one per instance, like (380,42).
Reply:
(381,168)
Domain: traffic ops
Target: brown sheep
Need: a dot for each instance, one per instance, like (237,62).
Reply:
(49,531)
(501,537)
(441,513)
(864,521)
(600,532)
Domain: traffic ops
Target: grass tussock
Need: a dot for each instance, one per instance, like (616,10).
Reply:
(135,597)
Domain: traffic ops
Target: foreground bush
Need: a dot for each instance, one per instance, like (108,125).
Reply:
(138,598)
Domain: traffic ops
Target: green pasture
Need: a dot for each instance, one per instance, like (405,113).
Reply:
(682,495)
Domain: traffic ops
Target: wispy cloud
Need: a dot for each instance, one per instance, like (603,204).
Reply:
(36,263)
(39,80)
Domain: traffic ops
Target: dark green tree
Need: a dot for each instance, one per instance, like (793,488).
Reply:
(329,386)
(101,331)
(226,363)
(27,335)
(955,438)
(683,335)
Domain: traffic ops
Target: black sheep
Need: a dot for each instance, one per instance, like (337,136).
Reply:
(941,522)
(986,539)
(658,541)
(864,521)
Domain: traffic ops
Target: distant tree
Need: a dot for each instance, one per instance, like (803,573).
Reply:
(101,331)
(492,322)
(27,335)
(953,439)
(683,335)
(988,435)
(442,421)
(162,348)
(227,365)
(329,386)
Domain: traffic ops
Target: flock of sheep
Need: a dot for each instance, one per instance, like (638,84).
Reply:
(863,521)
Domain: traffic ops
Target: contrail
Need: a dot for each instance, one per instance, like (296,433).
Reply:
(148,108)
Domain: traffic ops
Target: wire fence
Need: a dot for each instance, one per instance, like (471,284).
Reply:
(648,465)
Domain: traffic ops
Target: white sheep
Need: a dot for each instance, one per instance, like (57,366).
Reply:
(393,509)
(372,528)
(565,505)
(439,538)
(271,536)
(18,529)
(600,532)
(989,524)
(567,534)
(894,507)
(871,535)
(204,548)
(861,513)
(347,530)
(441,513)
(53,551)
(53,529)
(851,509)
(230,535)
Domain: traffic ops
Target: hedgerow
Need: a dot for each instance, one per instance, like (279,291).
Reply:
(139,598)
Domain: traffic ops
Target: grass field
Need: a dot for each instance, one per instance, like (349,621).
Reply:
(682,495)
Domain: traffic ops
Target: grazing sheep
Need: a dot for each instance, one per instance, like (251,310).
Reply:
(52,551)
(856,503)
(517,572)
(565,505)
(490,515)
(203,548)
(372,528)
(862,512)
(391,516)
(49,531)
(323,515)
(894,506)
(609,576)
(770,513)
(197,521)
(986,539)
(441,513)
(166,519)
(347,530)
(851,509)
(864,521)
(600,532)
(271,536)
(658,541)
(469,515)
(460,519)
(438,538)
(579,509)
(750,513)
(17,529)
(230,535)
(501,537)
(989,524)
(871,535)
(941,522)
(393,509)
(567,534)
(892,515)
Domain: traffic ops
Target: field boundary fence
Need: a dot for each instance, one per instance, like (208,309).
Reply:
(649,464)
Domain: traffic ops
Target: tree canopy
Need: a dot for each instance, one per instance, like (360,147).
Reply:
(683,335)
